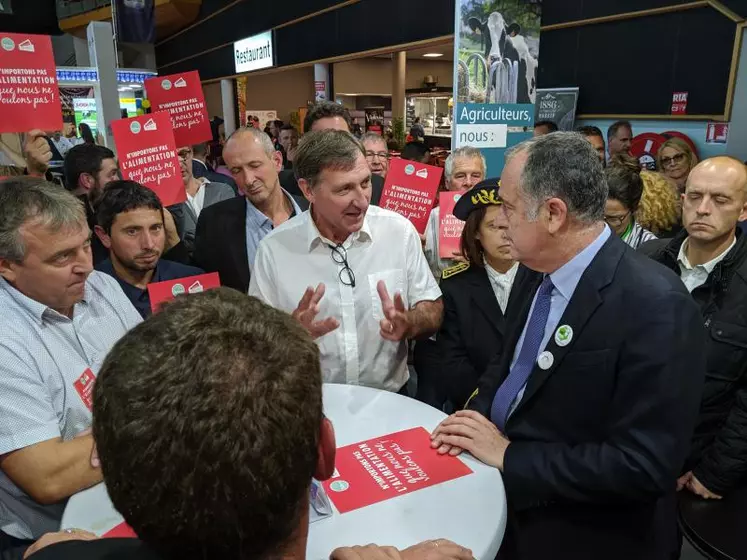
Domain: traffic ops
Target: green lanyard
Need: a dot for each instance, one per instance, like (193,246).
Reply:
(626,234)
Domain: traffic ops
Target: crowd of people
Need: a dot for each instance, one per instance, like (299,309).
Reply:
(588,339)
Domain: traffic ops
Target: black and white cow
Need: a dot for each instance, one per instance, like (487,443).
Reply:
(500,46)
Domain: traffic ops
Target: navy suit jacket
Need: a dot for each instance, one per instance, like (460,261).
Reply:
(601,436)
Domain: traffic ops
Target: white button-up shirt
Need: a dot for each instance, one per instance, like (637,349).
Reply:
(501,283)
(695,276)
(42,356)
(197,202)
(295,256)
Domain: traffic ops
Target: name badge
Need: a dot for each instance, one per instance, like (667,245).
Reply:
(84,387)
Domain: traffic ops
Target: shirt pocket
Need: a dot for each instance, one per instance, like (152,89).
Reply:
(394,281)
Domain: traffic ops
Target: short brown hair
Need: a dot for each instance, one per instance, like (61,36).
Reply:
(472,249)
(207,427)
(326,149)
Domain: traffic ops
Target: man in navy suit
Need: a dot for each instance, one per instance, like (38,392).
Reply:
(590,409)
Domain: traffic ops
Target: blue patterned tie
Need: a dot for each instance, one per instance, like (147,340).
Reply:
(519,374)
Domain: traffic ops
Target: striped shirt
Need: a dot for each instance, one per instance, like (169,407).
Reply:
(43,356)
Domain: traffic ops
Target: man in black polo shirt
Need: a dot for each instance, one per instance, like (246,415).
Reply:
(130,224)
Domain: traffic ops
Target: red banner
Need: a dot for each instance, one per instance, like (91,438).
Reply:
(29,96)
(180,95)
(161,292)
(389,466)
(147,155)
(410,190)
(450,227)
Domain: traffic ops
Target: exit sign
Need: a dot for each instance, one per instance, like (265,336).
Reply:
(679,103)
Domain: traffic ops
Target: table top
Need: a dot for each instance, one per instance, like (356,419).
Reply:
(715,527)
(470,510)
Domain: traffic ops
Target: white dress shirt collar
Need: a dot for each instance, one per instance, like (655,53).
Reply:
(314,236)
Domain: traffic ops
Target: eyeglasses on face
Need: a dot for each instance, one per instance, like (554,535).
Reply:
(373,155)
(675,159)
(616,221)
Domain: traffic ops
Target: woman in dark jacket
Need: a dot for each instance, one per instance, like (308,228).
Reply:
(477,295)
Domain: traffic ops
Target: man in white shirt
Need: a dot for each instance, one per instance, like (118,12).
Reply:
(59,321)
(374,287)
(464,168)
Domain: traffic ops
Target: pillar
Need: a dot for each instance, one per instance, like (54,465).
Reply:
(228,99)
(321,82)
(398,85)
(81,52)
(103,58)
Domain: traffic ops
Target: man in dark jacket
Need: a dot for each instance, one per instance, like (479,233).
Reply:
(711,258)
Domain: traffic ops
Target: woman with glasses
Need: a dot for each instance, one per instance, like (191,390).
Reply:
(676,159)
(478,295)
(624,198)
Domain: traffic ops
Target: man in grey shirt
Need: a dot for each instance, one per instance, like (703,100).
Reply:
(59,321)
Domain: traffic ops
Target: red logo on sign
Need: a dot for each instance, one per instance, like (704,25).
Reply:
(29,96)
(181,96)
(410,190)
(160,292)
(389,466)
(84,387)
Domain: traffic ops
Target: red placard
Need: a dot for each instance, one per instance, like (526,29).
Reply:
(84,387)
(147,155)
(679,103)
(385,467)
(410,190)
(160,292)
(29,96)
(717,133)
(121,531)
(180,95)
(450,227)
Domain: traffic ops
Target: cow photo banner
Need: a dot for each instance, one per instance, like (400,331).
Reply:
(495,69)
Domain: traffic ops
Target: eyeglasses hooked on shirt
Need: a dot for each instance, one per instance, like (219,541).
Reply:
(340,256)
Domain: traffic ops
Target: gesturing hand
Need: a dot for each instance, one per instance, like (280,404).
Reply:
(368,552)
(470,431)
(440,549)
(307,310)
(395,325)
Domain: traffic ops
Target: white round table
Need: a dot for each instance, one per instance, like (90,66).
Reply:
(470,510)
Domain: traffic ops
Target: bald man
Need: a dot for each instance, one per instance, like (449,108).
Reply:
(229,232)
(710,256)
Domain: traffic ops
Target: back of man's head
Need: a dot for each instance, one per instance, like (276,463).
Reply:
(416,151)
(326,110)
(200,151)
(590,130)
(84,158)
(208,428)
(563,165)
(124,196)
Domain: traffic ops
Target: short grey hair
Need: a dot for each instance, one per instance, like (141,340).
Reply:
(372,137)
(563,165)
(256,134)
(467,152)
(24,200)
(336,150)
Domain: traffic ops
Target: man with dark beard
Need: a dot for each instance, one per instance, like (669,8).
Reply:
(131,226)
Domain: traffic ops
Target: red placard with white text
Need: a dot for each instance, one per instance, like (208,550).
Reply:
(410,190)
(180,95)
(121,531)
(450,227)
(147,155)
(160,292)
(84,387)
(29,96)
(385,467)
